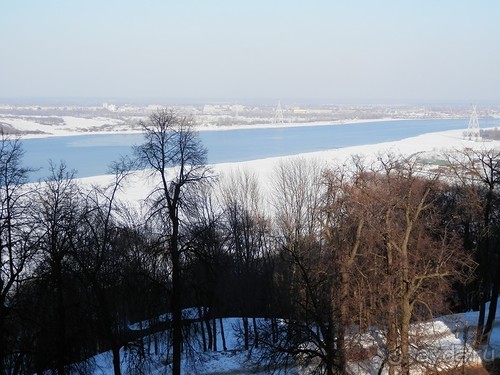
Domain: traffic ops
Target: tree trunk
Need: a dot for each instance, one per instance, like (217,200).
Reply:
(274,330)
(392,329)
(342,318)
(202,329)
(255,333)
(480,323)
(405,333)
(406,312)
(491,311)
(209,332)
(214,334)
(339,346)
(330,348)
(485,254)
(3,314)
(106,326)
(391,338)
(176,299)
(245,332)
(61,323)
(223,337)
(116,359)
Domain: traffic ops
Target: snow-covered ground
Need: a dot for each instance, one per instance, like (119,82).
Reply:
(233,360)
(48,126)
(444,343)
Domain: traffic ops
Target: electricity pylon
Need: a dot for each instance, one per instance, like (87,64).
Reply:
(472,131)
(278,114)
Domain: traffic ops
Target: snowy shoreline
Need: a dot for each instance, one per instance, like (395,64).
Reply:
(293,124)
(79,126)
(138,184)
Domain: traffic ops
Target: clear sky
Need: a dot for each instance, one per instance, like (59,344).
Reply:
(339,50)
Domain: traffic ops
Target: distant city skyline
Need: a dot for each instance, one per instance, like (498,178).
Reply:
(254,51)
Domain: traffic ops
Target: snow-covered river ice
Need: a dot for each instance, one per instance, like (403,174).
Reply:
(91,155)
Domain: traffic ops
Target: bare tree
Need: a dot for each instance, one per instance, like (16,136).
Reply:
(421,255)
(297,198)
(343,229)
(16,248)
(102,261)
(176,156)
(308,274)
(247,228)
(384,258)
(57,214)
(478,171)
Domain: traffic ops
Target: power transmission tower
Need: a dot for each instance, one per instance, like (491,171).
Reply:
(472,131)
(278,114)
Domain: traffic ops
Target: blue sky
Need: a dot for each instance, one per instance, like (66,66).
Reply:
(360,51)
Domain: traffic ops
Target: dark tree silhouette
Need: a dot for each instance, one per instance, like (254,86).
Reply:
(57,214)
(16,246)
(175,154)
(478,171)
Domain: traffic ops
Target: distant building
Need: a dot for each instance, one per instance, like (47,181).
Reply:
(110,107)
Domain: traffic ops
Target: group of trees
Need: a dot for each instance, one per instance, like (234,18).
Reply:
(64,277)
(378,253)
(311,262)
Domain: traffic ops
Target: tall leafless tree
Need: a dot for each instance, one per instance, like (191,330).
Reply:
(101,260)
(175,154)
(57,214)
(247,228)
(478,171)
(421,255)
(16,246)
(308,274)
(343,227)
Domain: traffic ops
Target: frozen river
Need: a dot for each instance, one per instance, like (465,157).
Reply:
(91,155)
